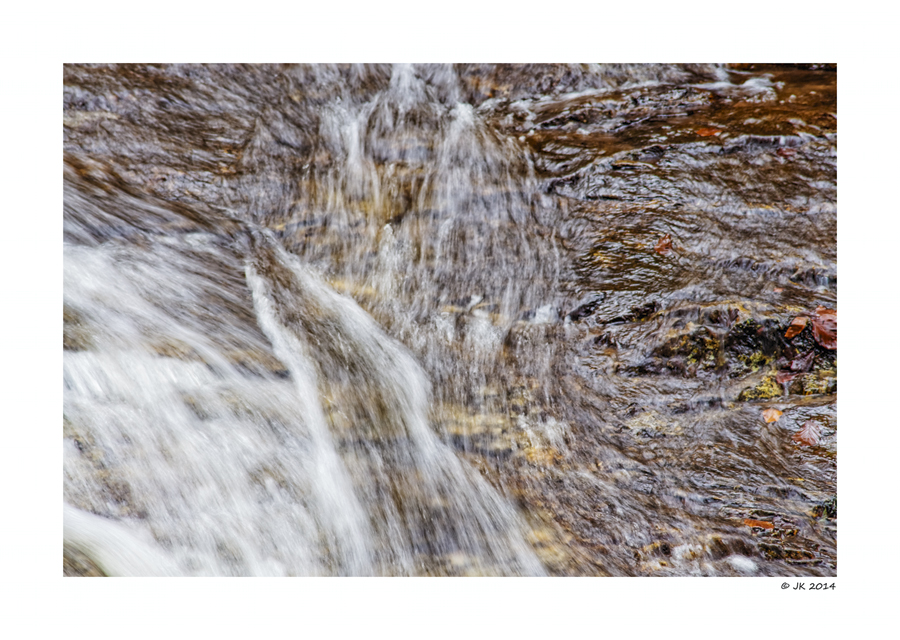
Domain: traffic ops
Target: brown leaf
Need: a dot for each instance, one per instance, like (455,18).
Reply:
(664,244)
(762,524)
(708,131)
(778,289)
(786,152)
(824,326)
(797,325)
(810,434)
(771,415)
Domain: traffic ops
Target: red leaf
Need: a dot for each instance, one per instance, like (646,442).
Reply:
(802,363)
(786,152)
(762,524)
(824,326)
(784,376)
(797,325)
(664,244)
(708,131)
(810,434)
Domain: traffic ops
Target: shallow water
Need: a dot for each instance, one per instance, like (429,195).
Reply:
(421,320)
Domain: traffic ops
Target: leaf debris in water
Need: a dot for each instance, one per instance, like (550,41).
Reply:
(809,434)
(804,362)
(785,376)
(664,244)
(797,325)
(825,327)
(762,524)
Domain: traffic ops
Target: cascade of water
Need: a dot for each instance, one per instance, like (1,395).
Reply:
(419,489)
(173,430)
(255,420)
(198,454)
(324,460)
(337,320)
(430,220)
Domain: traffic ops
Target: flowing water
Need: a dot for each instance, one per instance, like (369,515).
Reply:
(448,320)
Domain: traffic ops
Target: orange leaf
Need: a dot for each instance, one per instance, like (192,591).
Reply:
(664,244)
(797,325)
(762,524)
(809,434)
(708,131)
(771,415)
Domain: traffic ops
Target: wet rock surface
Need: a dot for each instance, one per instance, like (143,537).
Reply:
(613,392)
(78,565)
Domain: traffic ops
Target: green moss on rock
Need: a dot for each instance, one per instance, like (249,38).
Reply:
(767,388)
(824,381)
(753,362)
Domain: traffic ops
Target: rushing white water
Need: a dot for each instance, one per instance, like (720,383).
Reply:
(296,440)
(239,476)
(115,549)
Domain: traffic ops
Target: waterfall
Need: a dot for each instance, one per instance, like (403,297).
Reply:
(226,402)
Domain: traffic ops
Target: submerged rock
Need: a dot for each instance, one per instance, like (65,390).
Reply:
(767,388)
(76,335)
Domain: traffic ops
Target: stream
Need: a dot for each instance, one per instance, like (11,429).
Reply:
(450,320)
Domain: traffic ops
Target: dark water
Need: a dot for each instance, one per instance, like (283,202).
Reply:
(449,320)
